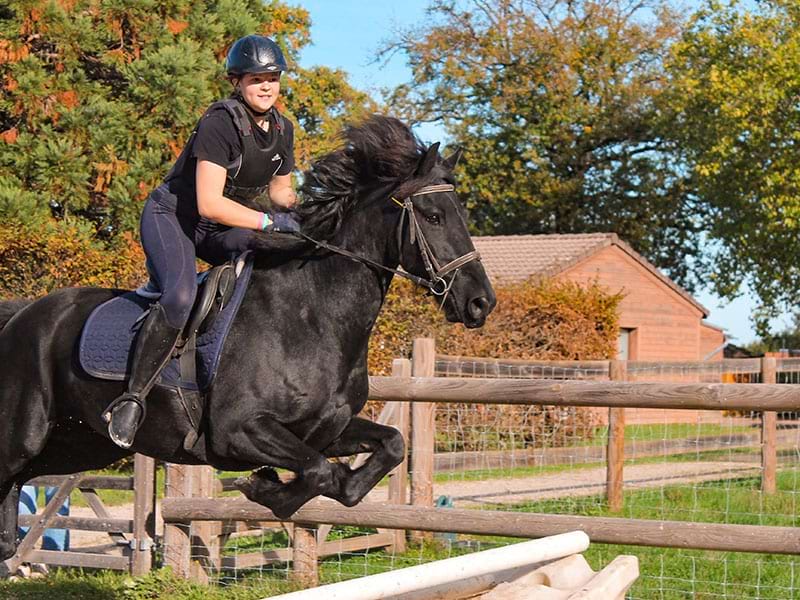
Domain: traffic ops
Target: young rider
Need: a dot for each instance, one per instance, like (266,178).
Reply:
(240,148)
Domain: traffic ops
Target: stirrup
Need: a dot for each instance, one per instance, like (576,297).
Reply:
(126,397)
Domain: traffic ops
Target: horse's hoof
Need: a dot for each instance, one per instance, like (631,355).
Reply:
(258,483)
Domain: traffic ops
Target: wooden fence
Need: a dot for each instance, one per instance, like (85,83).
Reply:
(198,522)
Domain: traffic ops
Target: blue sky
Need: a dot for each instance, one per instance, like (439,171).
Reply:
(347,34)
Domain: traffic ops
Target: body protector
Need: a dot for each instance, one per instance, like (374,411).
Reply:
(248,175)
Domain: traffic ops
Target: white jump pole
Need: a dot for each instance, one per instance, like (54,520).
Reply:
(448,572)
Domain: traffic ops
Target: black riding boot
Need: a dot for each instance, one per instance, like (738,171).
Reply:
(155,343)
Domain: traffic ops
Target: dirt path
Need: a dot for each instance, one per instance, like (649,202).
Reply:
(575,483)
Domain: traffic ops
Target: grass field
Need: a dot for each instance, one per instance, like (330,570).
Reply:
(666,574)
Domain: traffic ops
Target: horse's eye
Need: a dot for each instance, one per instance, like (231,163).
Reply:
(433,219)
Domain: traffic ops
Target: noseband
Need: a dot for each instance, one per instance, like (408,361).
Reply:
(436,282)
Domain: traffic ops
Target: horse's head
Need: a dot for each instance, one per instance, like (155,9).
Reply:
(435,244)
(383,172)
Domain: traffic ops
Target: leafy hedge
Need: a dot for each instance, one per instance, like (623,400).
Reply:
(37,260)
(545,319)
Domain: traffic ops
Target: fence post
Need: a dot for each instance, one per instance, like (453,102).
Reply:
(423,432)
(615,454)
(305,569)
(180,539)
(144,514)
(398,478)
(769,432)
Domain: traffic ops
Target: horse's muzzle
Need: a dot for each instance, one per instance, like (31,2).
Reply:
(477,311)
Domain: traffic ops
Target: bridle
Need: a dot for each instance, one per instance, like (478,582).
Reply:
(436,282)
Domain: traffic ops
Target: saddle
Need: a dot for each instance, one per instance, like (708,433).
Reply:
(108,336)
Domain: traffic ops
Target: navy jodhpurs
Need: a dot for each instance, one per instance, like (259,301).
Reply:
(172,243)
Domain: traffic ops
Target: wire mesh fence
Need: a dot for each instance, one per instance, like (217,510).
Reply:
(684,465)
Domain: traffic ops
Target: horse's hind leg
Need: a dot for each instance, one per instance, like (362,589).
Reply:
(266,442)
(361,435)
(9,509)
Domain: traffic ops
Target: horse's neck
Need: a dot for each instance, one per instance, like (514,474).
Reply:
(333,286)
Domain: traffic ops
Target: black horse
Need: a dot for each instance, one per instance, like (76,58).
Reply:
(293,374)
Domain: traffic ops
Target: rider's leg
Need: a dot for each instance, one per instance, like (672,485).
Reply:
(217,244)
(170,251)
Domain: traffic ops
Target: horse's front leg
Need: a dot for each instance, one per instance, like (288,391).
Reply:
(387,447)
(9,511)
(263,441)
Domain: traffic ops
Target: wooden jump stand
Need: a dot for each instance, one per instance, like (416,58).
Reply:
(130,540)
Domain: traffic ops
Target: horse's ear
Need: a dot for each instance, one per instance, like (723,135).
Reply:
(451,161)
(428,161)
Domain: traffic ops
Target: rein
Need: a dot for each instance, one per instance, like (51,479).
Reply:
(436,272)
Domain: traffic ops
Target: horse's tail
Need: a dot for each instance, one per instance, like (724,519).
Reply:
(9,308)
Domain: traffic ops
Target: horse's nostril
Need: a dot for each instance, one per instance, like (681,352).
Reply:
(478,307)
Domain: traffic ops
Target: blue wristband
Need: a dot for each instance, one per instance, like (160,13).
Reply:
(264,221)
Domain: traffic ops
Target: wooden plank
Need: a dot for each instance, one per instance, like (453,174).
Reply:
(81,523)
(86,560)
(769,433)
(423,431)
(607,530)
(144,514)
(42,521)
(304,556)
(97,482)
(398,478)
(703,396)
(94,502)
(332,548)
(256,559)
(615,455)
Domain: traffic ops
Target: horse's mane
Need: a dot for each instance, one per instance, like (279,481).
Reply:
(379,152)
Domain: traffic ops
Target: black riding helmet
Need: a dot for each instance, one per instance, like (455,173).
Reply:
(254,54)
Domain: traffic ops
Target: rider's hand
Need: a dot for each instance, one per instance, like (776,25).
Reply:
(283,222)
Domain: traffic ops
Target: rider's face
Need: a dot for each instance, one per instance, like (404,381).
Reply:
(260,90)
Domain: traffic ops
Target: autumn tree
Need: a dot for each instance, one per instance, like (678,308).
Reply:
(735,118)
(99,96)
(556,105)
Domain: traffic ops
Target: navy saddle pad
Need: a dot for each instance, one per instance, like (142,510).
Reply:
(109,333)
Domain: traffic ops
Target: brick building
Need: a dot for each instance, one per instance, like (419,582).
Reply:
(659,320)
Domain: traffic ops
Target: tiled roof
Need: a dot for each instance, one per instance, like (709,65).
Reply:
(515,258)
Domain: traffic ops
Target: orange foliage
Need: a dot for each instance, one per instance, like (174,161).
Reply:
(9,136)
(10,54)
(68,98)
(176,26)
(175,148)
(37,260)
